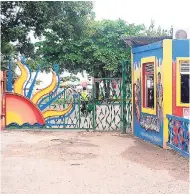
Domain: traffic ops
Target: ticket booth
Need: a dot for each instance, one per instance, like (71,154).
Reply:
(160,80)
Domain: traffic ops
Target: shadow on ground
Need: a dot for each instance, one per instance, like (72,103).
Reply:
(143,153)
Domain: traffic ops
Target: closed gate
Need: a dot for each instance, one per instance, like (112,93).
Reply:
(108,104)
(105,108)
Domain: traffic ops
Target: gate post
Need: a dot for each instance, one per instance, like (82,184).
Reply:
(10,76)
(3,102)
(94,105)
(124,121)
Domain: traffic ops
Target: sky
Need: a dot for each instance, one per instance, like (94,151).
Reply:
(164,12)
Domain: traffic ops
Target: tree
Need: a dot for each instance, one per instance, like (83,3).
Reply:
(7,52)
(99,52)
(19,18)
(153,31)
(71,78)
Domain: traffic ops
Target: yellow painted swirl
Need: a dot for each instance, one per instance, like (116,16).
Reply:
(46,90)
(52,113)
(20,81)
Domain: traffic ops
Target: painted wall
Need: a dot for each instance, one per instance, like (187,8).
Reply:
(148,127)
(180,48)
(27,109)
(178,127)
(2,93)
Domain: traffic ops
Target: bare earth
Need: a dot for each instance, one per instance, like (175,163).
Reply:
(73,162)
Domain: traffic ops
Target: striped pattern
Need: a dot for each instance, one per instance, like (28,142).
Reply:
(142,40)
(185,68)
(149,68)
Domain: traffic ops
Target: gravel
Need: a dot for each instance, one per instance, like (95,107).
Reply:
(78,162)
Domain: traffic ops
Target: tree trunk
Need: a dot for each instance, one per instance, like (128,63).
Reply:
(97,90)
(96,87)
(106,84)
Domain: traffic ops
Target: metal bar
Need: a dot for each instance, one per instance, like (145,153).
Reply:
(103,104)
(105,79)
(64,107)
(121,102)
(124,64)
(94,108)
(10,76)
(177,118)
(79,111)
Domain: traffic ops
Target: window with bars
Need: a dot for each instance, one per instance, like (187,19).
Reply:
(148,85)
(184,81)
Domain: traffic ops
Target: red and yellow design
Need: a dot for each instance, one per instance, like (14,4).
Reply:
(20,109)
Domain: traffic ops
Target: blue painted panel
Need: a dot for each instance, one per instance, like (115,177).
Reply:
(178,134)
(181,152)
(156,52)
(147,127)
(150,47)
(33,84)
(178,118)
(10,77)
(56,69)
(180,48)
(148,135)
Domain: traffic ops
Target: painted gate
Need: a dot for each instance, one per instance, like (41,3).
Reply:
(60,107)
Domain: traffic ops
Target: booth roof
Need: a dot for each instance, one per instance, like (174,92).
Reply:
(142,40)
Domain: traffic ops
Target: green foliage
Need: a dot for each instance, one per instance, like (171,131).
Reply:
(71,78)
(19,18)
(57,102)
(153,31)
(38,82)
(71,37)
(60,102)
(66,18)
(99,51)
(7,51)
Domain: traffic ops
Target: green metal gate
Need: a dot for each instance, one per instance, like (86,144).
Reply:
(112,107)
(106,107)
(108,104)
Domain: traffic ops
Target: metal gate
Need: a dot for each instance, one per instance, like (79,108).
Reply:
(106,107)
(108,104)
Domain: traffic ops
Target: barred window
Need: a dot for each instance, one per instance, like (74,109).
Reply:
(184,81)
(148,85)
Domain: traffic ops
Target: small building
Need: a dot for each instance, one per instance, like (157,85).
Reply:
(160,80)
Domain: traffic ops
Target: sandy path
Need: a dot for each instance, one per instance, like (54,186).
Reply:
(71,162)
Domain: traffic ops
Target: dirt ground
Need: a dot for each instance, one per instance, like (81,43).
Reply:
(74,162)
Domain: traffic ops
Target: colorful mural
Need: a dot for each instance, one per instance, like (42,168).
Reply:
(2,94)
(28,109)
(148,125)
(159,99)
(149,122)
(179,133)
(137,98)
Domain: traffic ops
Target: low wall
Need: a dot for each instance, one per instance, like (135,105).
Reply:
(178,137)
